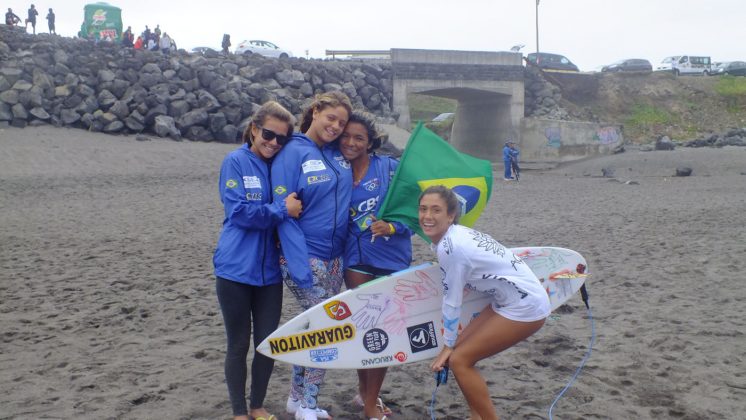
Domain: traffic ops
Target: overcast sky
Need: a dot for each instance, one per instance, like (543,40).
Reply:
(591,33)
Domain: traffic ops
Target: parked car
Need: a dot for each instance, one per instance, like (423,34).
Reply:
(686,64)
(630,64)
(264,48)
(203,50)
(735,68)
(442,117)
(551,61)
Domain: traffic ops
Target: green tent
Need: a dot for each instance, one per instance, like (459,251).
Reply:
(101,21)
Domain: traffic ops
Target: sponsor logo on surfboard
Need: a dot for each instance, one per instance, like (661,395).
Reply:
(312,339)
(422,337)
(337,310)
(375,340)
(376,360)
(401,356)
(324,355)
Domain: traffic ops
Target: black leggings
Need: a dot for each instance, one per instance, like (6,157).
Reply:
(240,303)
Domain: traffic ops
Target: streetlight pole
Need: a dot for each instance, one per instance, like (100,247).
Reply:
(537,32)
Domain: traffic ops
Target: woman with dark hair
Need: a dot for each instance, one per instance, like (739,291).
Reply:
(473,260)
(313,246)
(247,258)
(375,248)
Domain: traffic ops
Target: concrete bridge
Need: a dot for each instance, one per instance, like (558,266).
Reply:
(488,87)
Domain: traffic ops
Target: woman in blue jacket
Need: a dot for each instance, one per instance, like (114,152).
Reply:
(249,283)
(510,160)
(313,245)
(375,247)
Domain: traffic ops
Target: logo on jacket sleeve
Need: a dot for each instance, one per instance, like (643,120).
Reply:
(312,166)
(280,190)
(251,182)
(231,183)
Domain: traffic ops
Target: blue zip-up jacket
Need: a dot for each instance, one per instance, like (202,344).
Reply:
(389,252)
(323,180)
(247,250)
(509,154)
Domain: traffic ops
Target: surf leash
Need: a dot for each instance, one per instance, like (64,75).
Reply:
(441,377)
(584,295)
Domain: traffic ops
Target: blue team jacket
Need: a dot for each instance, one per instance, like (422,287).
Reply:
(509,154)
(390,253)
(323,180)
(247,251)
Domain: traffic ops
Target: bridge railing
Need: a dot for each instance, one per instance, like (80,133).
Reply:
(360,53)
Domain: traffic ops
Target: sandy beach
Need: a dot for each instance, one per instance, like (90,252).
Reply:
(108,307)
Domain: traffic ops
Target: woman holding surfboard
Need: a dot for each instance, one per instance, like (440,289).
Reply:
(249,283)
(473,260)
(375,248)
(313,245)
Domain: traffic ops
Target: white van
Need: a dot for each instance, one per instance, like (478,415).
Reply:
(686,64)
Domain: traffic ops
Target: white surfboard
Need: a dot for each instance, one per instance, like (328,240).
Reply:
(397,319)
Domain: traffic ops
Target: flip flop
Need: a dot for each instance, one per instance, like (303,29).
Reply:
(358,400)
(384,409)
(271,417)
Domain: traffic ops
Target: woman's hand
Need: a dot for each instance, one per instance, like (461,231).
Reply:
(294,206)
(442,359)
(380,227)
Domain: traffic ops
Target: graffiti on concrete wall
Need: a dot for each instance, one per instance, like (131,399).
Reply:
(554,137)
(607,135)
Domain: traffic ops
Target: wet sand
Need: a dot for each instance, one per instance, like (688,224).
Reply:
(109,311)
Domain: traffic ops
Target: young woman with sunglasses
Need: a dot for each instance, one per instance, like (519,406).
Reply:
(247,268)
(471,260)
(313,245)
(375,248)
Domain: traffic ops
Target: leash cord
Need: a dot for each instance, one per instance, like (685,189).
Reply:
(582,363)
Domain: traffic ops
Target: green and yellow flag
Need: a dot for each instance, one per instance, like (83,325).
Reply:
(429,160)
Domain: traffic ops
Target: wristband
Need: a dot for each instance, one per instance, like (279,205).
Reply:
(392,229)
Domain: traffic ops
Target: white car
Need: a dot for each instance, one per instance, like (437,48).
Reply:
(264,48)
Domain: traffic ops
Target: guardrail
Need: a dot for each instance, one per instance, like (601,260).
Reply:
(360,53)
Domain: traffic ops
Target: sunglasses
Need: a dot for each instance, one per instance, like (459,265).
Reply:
(269,135)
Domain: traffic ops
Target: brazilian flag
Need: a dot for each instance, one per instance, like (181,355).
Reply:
(429,160)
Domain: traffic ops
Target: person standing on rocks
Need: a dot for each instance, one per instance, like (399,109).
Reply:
(165,43)
(226,43)
(50,21)
(32,14)
(313,246)
(128,38)
(247,258)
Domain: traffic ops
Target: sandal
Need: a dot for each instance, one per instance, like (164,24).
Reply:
(384,409)
(271,417)
(358,400)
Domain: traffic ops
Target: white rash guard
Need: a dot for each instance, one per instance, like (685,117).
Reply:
(473,260)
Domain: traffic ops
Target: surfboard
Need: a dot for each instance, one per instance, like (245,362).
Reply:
(397,319)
